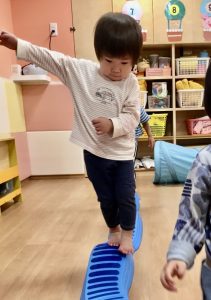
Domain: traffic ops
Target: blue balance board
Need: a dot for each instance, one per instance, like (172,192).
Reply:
(110,273)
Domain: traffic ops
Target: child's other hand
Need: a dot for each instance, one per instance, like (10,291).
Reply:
(170,270)
(8,40)
(151,142)
(103,125)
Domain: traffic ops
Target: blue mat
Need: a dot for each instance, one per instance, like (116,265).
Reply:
(110,273)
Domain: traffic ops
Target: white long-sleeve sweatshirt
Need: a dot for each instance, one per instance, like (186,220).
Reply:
(94,96)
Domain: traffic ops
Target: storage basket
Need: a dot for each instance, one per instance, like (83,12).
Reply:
(159,103)
(198,126)
(157,123)
(192,65)
(158,72)
(143,98)
(190,98)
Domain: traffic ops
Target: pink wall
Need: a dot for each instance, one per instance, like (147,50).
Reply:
(31,22)
(47,108)
(7,57)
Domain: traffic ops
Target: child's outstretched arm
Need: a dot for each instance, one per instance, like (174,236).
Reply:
(52,61)
(173,268)
(8,40)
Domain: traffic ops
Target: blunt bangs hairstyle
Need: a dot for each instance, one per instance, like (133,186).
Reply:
(118,35)
(207,92)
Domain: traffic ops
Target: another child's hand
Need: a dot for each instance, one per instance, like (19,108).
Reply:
(103,125)
(151,141)
(8,40)
(170,270)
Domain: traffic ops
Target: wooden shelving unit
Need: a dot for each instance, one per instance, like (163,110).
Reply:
(10,173)
(176,131)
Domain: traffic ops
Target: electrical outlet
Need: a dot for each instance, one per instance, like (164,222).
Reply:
(53,26)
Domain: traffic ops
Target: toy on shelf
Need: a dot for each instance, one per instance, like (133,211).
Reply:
(142,66)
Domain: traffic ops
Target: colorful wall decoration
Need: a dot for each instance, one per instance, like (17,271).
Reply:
(174,12)
(205,10)
(134,9)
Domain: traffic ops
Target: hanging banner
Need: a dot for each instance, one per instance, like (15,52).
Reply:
(205,10)
(174,12)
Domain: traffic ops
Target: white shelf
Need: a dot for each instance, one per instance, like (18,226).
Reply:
(190,76)
(31,79)
(189,108)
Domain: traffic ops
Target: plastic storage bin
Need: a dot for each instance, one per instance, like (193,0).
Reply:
(159,103)
(198,126)
(190,98)
(158,72)
(192,65)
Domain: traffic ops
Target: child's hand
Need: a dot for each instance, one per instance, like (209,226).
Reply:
(8,40)
(103,125)
(151,141)
(170,270)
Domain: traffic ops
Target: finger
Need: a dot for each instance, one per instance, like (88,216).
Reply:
(97,127)
(181,271)
(99,132)
(168,284)
(95,121)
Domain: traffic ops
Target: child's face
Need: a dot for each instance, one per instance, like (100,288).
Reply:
(115,69)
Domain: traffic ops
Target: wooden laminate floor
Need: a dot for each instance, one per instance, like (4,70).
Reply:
(45,242)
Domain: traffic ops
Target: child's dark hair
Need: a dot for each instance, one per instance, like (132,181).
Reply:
(207,92)
(118,35)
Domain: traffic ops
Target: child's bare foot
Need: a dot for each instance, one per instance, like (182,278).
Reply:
(126,243)
(114,236)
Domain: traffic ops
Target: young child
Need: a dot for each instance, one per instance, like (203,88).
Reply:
(144,118)
(193,226)
(106,113)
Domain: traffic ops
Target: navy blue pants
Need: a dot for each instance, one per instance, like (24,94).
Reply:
(114,184)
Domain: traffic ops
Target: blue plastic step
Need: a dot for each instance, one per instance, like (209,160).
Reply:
(110,273)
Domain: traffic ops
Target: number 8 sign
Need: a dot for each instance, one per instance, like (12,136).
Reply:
(174,10)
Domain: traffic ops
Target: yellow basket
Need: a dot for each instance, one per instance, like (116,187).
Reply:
(157,123)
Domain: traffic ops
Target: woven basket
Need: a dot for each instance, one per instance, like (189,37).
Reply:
(192,65)
(190,98)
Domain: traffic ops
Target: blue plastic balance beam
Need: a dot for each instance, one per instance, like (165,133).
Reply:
(110,273)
